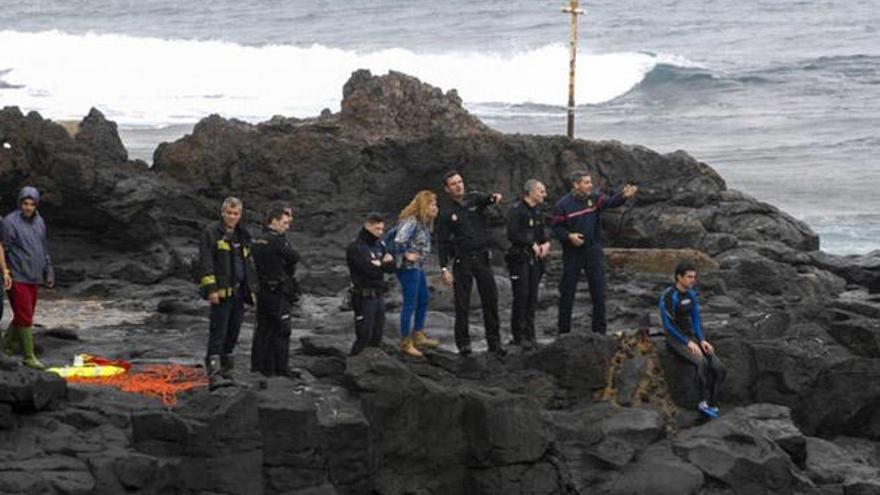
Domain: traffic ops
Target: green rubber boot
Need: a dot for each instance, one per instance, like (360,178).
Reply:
(12,341)
(27,347)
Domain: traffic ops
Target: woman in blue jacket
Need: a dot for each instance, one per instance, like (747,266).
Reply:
(413,240)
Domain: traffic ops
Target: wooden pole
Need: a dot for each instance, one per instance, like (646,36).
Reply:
(575,12)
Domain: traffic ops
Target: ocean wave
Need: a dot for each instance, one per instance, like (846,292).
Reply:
(151,81)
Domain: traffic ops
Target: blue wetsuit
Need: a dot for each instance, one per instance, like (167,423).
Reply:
(680,314)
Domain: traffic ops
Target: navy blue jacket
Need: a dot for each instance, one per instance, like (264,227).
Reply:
(360,256)
(574,214)
(680,313)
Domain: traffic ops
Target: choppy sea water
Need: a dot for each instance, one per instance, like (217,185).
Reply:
(781,97)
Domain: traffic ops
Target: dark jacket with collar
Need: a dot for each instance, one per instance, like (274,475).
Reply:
(576,214)
(216,268)
(461,227)
(360,255)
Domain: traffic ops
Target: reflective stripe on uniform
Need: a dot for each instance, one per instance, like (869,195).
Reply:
(208,280)
(222,245)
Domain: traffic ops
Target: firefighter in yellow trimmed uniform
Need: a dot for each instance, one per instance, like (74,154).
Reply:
(227,279)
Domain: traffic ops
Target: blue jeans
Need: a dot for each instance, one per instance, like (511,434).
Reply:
(414,286)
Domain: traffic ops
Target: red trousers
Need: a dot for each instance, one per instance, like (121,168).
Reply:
(23,299)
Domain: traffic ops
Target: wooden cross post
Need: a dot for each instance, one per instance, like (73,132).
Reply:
(575,12)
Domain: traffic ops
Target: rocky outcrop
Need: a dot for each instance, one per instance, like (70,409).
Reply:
(796,328)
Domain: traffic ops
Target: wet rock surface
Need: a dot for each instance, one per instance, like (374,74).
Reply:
(795,327)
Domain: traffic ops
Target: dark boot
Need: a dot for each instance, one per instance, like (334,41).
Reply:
(215,378)
(227,364)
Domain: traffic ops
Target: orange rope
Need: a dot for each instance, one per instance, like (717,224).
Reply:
(163,382)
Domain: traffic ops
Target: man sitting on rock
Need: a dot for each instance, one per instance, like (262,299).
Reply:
(680,313)
(368,262)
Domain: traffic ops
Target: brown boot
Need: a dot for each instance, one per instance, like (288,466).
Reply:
(407,347)
(421,341)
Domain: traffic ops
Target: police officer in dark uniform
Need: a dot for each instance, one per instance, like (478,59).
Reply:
(368,262)
(461,234)
(276,264)
(577,226)
(525,260)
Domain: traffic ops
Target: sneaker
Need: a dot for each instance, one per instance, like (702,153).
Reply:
(715,410)
(707,410)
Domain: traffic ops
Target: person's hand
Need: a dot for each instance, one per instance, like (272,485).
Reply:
(7,281)
(576,239)
(49,283)
(537,250)
(214,298)
(446,276)
(376,262)
(496,198)
(695,349)
(412,256)
(707,347)
(387,258)
(545,249)
(630,190)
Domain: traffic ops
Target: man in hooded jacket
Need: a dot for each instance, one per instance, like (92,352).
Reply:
(27,252)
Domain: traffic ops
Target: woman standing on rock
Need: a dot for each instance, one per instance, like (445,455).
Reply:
(412,239)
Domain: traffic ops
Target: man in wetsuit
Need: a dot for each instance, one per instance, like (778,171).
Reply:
(680,313)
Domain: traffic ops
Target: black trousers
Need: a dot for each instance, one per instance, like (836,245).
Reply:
(710,370)
(465,270)
(369,321)
(525,276)
(574,261)
(225,324)
(271,346)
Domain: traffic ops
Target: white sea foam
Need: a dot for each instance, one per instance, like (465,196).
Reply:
(151,81)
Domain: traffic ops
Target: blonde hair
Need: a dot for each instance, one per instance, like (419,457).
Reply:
(420,207)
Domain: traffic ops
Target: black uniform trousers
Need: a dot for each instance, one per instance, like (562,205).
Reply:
(271,346)
(466,269)
(525,276)
(587,259)
(369,319)
(225,324)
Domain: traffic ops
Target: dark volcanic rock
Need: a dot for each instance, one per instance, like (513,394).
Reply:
(29,389)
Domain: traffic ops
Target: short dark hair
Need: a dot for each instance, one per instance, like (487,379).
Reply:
(449,175)
(275,213)
(374,217)
(578,176)
(683,267)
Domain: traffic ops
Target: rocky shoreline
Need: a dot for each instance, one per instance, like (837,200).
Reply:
(799,329)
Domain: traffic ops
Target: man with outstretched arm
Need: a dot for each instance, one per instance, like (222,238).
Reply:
(227,279)
(577,225)
(529,245)
(680,314)
(368,262)
(463,242)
